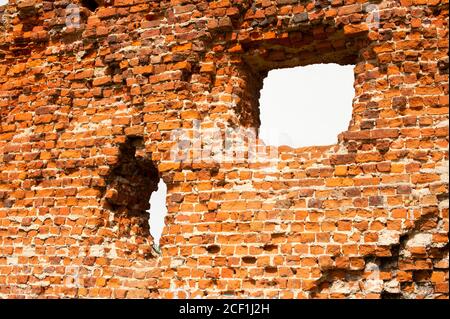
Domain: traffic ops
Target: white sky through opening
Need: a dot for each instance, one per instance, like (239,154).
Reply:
(306,106)
(3,2)
(158,211)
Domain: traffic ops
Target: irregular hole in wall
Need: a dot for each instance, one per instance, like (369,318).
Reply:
(130,184)
(301,46)
(158,212)
(304,106)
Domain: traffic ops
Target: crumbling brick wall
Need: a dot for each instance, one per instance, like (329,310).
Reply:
(88,110)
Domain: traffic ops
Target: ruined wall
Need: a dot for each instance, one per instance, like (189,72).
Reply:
(90,101)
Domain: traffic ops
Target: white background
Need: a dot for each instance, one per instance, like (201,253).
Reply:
(306,106)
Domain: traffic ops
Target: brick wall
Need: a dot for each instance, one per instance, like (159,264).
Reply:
(90,103)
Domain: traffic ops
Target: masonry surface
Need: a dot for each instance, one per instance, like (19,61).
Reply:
(87,113)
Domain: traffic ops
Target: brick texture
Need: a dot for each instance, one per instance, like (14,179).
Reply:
(87,114)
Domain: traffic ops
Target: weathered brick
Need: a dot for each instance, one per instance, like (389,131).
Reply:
(90,118)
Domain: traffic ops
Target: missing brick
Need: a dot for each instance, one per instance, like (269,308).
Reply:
(92,5)
(213,249)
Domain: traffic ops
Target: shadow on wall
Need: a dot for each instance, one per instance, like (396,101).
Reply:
(136,194)
(130,184)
